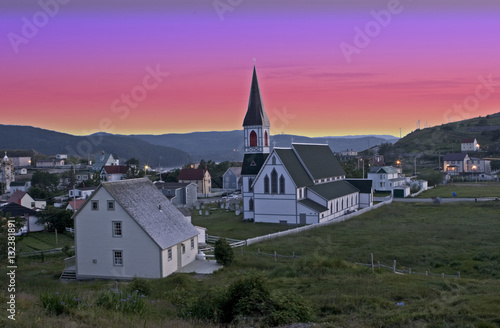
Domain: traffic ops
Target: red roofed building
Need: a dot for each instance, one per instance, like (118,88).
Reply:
(75,204)
(24,199)
(114,172)
(200,177)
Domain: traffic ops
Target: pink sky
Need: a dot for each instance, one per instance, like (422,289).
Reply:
(426,64)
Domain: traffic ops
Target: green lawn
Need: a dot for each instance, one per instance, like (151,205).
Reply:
(465,190)
(443,238)
(36,241)
(227,224)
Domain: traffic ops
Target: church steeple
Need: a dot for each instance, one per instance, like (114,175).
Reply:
(256,123)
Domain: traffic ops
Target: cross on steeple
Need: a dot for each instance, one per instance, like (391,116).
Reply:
(274,143)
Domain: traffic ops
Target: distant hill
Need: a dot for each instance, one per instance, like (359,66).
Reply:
(447,138)
(228,145)
(51,143)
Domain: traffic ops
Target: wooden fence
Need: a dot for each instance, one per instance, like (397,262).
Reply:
(274,254)
(395,270)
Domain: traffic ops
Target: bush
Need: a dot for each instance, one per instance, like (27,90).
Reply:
(131,303)
(55,303)
(140,285)
(223,252)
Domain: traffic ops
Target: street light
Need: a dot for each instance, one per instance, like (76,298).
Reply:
(146,170)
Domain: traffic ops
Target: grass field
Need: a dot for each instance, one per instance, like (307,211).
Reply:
(229,225)
(443,238)
(37,241)
(464,190)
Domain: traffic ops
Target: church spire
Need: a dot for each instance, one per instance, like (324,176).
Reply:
(256,124)
(256,115)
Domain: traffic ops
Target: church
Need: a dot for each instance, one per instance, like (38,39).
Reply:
(302,184)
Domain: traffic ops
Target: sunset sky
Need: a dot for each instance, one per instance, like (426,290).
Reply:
(325,68)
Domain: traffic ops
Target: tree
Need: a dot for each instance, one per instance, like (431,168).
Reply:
(132,168)
(172,175)
(223,252)
(45,181)
(55,219)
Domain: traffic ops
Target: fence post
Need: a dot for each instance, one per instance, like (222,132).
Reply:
(409,270)
(371,261)
(394,266)
(293,255)
(258,252)
(426,273)
(378,264)
(442,275)
(458,274)
(275,257)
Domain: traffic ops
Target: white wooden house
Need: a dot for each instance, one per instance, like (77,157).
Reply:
(129,228)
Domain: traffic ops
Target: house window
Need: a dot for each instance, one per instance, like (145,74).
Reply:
(169,252)
(192,243)
(250,204)
(282,184)
(117,229)
(95,205)
(253,139)
(111,205)
(118,258)
(183,248)
(33,204)
(266,184)
(274,182)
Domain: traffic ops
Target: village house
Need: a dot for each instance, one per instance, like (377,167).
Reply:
(303,184)
(455,163)
(20,186)
(82,193)
(24,199)
(49,163)
(231,179)
(114,172)
(200,177)
(103,160)
(179,194)
(75,204)
(129,229)
(385,178)
(469,144)
(27,214)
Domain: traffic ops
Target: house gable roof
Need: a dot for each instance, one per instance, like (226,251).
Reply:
(152,211)
(15,209)
(76,203)
(115,169)
(236,170)
(455,157)
(335,189)
(383,169)
(319,160)
(17,196)
(294,167)
(191,174)
(468,140)
(256,115)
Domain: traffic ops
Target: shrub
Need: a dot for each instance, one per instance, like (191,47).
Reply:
(55,303)
(131,303)
(140,285)
(223,252)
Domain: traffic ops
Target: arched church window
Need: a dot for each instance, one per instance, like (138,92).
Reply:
(250,204)
(274,182)
(266,184)
(253,139)
(282,184)
(274,160)
(266,141)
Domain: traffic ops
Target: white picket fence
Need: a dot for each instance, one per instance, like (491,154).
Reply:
(316,225)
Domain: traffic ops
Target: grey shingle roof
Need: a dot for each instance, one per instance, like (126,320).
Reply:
(454,157)
(319,160)
(383,169)
(256,115)
(15,210)
(252,163)
(161,220)
(294,167)
(313,205)
(335,189)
